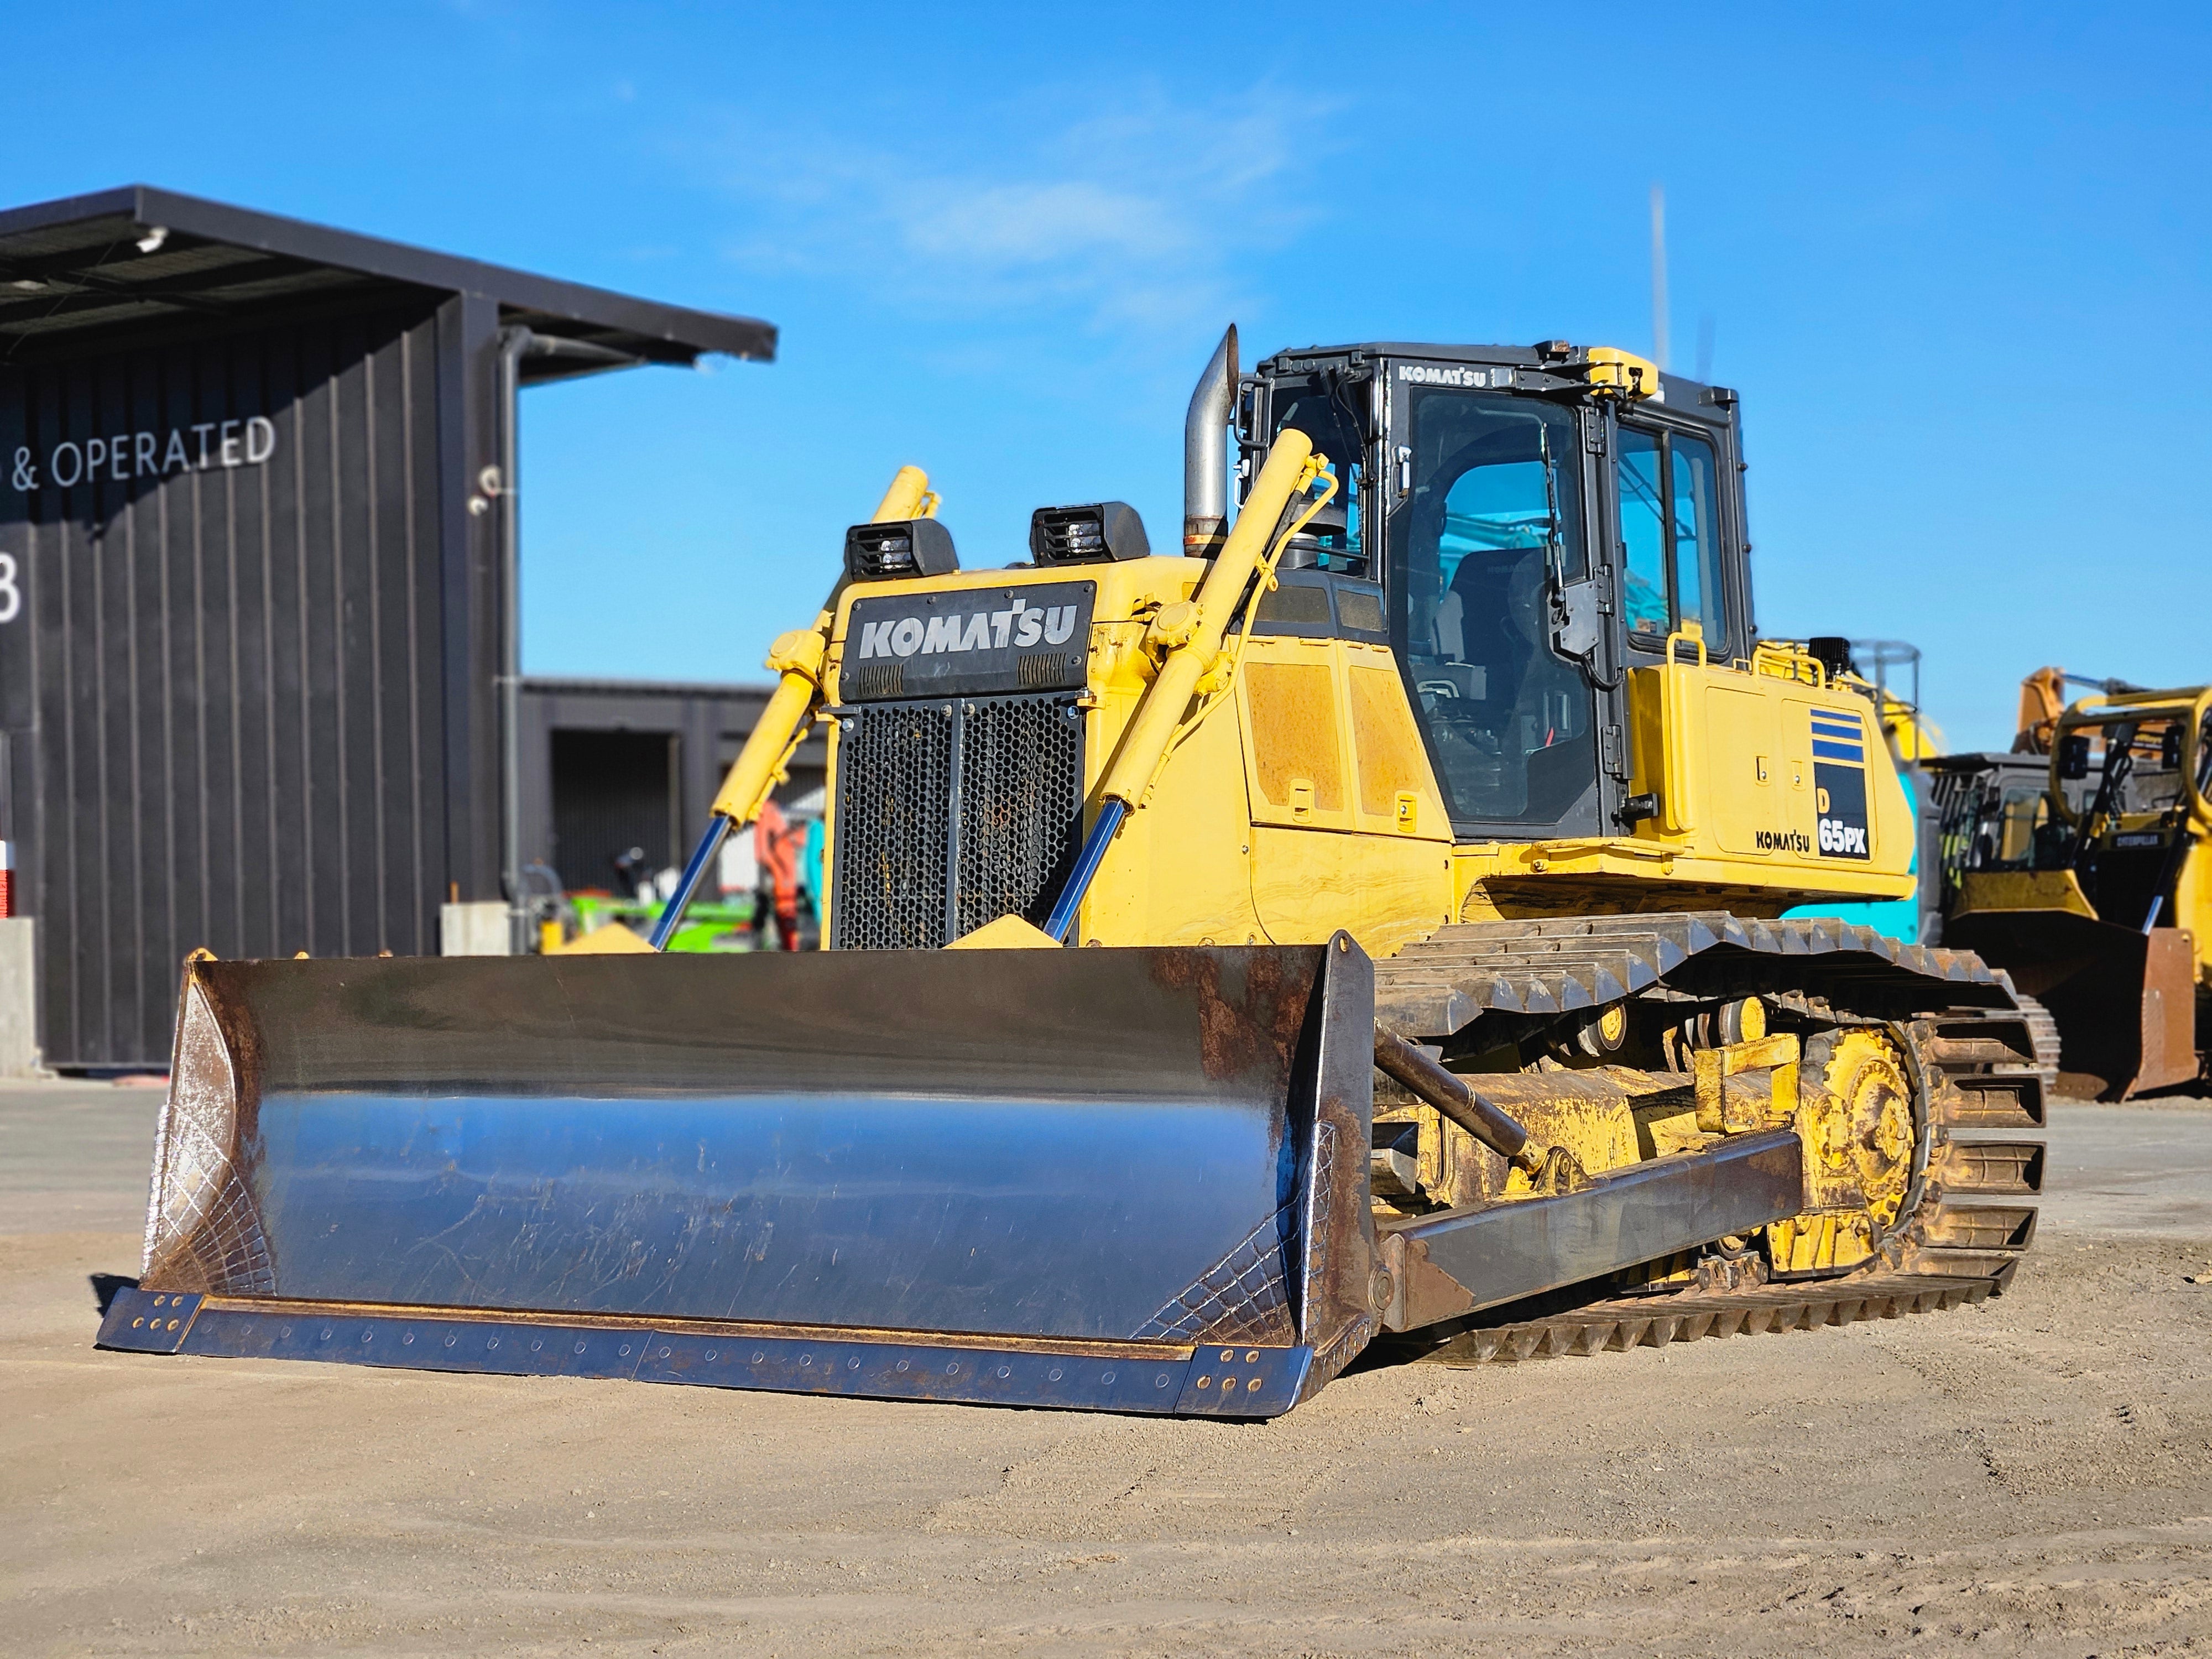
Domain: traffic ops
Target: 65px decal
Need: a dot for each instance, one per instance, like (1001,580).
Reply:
(1839,794)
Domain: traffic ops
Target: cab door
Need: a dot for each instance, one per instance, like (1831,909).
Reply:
(1489,506)
(1707,736)
(1678,555)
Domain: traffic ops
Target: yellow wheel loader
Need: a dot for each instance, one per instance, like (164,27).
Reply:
(1364,931)
(2078,872)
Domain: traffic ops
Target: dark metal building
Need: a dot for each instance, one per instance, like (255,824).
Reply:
(608,765)
(256,527)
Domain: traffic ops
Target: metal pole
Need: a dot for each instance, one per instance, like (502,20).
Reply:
(513,344)
(7,831)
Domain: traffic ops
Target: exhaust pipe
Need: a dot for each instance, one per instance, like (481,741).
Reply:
(1205,452)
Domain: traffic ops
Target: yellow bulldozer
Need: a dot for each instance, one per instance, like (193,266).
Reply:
(2073,864)
(1358,928)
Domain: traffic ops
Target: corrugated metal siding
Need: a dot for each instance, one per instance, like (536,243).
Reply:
(226,690)
(612,790)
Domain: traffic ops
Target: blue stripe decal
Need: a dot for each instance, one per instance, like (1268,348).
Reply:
(1829,725)
(1842,752)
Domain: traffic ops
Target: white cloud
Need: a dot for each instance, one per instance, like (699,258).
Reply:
(1144,219)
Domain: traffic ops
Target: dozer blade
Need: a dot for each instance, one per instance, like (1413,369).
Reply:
(1129,1180)
(2125,1001)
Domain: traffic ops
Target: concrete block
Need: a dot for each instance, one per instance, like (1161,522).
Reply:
(19,997)
(478,928)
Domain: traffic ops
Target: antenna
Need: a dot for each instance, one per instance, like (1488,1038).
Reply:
(1659,275)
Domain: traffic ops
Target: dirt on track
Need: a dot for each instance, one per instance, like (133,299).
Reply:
(2031,1477)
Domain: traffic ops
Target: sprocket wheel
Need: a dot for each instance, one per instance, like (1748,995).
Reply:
(1857,1117)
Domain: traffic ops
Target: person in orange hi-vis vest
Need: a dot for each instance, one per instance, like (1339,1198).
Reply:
(776,847)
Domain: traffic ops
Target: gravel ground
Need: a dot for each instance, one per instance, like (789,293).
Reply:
(2031,1477)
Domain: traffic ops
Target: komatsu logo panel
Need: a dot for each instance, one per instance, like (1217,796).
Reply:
(1840,785)
(1030,637)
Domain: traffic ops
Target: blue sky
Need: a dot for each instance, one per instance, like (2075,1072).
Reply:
(1957,259)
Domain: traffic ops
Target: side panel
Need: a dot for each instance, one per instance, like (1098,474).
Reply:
(1290,696)
(1757,812)
(1348,828)
(1767,784)
(230,667)
(1180,871)
(1397,793)
(1384,893)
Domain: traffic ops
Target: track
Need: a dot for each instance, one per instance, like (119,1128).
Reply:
(2044,1030)
(1652,1321)
(1974,1047)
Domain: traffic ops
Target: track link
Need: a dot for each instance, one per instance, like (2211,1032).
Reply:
(1652,1321)
(2044,1030)
(1976,1047)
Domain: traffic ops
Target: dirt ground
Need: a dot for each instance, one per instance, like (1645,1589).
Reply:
(2031,1477)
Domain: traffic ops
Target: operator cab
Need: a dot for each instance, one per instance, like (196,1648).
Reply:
(1540,519)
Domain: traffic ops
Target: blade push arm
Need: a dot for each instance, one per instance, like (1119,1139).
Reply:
(1189,635)
(796,660)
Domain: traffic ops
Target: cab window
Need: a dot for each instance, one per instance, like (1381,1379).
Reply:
(1670,544)
(1495,522)
(1324,412)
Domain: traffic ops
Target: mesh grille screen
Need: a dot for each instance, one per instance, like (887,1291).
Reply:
(1021,806)
(1018,763)
(894,785)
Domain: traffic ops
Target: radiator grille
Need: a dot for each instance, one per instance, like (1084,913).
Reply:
(894,781)
(986,790)
(1021,806)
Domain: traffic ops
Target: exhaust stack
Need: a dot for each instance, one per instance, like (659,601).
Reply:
(1205,452)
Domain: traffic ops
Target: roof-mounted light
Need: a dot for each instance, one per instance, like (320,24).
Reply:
(904,547)
(1623,373)
(1087,535)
